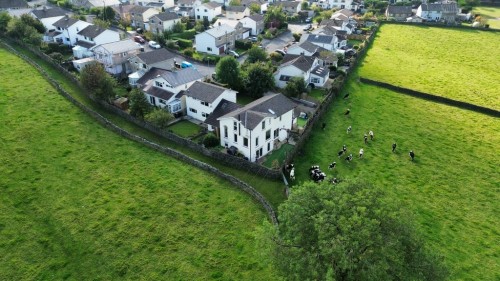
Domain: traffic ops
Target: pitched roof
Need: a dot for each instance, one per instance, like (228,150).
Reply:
(120,46)
(328,39)
(440,7)
(157,92)
(268,106)
(301,62)
(291,4)
(320,71)
(256,17)
(174,78)
(6,4)
(205,91)
(157,55)
(398,9)
(138,9)
(84,44)
(186,2)
(212,5)
(220,30)
(166,16)
(223,108)
(49,13)
(345,12)
(65,22)
(236,8)
(91,31)
(308,46)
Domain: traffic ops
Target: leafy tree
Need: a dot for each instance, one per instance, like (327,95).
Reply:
(198,26)
(256,54)
(304,6)
(210,140)
(57,57)
(228,72)
(29,20)
(348,232)
(295,87)
(178,27)
(206,23)
(259,79)
(17,29)
(275,17)
(159,117)
(296,37)
(235,3)
(254,8)
(139,105)
(4,21)
(102,23)
(97,81)
(109,14)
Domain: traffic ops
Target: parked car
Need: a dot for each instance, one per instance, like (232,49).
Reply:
(139,39)
(308,27)
(140,46)
(186,64)
(154,45)
(281,52)
(254,39)
(234,54)
(308,20)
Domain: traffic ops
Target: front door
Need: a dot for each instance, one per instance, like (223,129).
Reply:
(152,100)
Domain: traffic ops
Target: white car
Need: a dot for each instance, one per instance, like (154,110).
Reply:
(154,45)
(234,54)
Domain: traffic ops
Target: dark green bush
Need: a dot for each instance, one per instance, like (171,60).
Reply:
(184,43)
(210,140)
(244,45)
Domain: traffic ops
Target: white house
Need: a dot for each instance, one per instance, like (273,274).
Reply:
(163,22)
(446,11)
(48,16)
(90,36)
(115,55)
(309,68)
(224,107)
(166,88)
(290,7)
(67,29)
(329,42)
(308,49)
(256,128)
(216,40)
(342,4)
(156,3)
(139,16)
(143,62)
(237,12)
(255,23)
(208,11)
(185,8)
(240,32)
(202,99)
(95,3)
(260,3)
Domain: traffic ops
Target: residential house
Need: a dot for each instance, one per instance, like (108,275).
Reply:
(255,23)
(95,3)
(123,12)
(257,128)
(337,24)
(202,98)
(166,88)
(143,62)
(308,49)
(208,11)
(398,13)
(224,107)
(48,16)
(13,4)
(66,30)
(329,42)
(237,12)
(307,67)
(91,36)
(156,4)
(163,22)
(290,7)
(342,4)
(262,4)
(185,8)
(439,11)
(115,55)
(239,31)
(139,16)
(216,41)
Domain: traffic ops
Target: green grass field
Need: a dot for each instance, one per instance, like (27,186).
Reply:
(185,129)
(455,63)
(490,13)
(452,186)
(79,202)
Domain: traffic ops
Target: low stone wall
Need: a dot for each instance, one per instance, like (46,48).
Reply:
(168,151)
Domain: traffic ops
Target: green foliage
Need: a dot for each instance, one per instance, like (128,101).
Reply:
(244,45)
(210,140)
(348,232)
(17,29)
(228,72)
(235,3)
(188,52)
(254,8)
(259,79)
(57,57)
(29,20)
(200,25)
(101,23)
(206,23)
(159,117)
(178,27)
(97,81)
(275,57)
(295,87)
(139,105)
(296,36)
(256,54)
(187,34)
(184,43)
(274,17)
(4,21)
(304,5)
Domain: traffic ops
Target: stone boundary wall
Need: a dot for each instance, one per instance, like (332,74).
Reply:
(165,150)
(432,97)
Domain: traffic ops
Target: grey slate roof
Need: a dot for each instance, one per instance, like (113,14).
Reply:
(167,16)
(253,113)
(139,10)
(303,63)
(10,4)
(85,44)
(256,17)
(91,31)
(120,46)
(49,13)
(399,9)
(327,39)
(308,46)
(205,91)
(158,92)
(174,78)
(223,108)
(449,7)
(320,71)
(65,22)
(212,4)
(219,31)
(287,4)
(157,55)
(235,8)
(185,2)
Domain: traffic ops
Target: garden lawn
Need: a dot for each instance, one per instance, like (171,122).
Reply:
(452,187)
(185,129)
(79,202)
(278,154)
(492,14)
(460,64)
